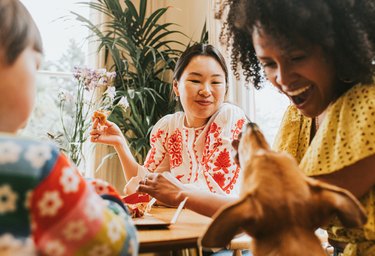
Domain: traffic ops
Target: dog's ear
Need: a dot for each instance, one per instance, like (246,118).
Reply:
(330,199)
(228,222)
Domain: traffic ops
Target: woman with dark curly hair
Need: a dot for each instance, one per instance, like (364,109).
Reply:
(321,55)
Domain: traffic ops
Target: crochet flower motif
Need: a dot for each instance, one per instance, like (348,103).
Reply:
(100,250)
(55,248)
(12,245)
(114,231)
(9,152)
(50,203)
(93,208)
(69,180)
(8,199)
(38,155)
(101,187)
(75,230)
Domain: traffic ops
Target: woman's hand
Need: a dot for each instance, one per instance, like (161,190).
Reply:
(170,191)
(162,186)
(109,133)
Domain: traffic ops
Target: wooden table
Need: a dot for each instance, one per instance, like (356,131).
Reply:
(183,234)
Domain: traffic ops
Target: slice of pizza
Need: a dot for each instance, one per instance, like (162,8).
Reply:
(101,115)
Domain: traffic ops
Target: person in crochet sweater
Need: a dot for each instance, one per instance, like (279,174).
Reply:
(46,206)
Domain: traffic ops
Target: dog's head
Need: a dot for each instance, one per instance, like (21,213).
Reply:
(277,200)
(248,143)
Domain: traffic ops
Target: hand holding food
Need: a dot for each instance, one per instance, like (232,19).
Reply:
(104,131)
(101,115)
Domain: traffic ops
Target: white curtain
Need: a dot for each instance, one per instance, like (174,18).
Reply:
(240,92)
(110,168)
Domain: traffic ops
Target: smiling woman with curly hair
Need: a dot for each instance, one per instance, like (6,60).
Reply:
(344,28)
(321,55)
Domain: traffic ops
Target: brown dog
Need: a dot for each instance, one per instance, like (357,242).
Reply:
(280,208)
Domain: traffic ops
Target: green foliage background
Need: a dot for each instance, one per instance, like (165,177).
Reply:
(140,49)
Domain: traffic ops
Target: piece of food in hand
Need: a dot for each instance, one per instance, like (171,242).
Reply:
(136,203)
(101,115)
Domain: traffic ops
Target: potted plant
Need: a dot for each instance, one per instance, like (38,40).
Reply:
(138,48)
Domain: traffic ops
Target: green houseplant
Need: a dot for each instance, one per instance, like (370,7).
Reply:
(141,52)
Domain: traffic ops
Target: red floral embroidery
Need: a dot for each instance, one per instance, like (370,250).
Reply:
(150,158)
(238,128)
(213,128)
(150,162)
(218,143)
(179,177)
(175,149)
(223,161)
(156,136)
(189,155)
(214,132)
(230,186)
(219,178)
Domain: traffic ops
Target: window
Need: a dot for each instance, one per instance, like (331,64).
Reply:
(65,46)
(265,106)
(270,106)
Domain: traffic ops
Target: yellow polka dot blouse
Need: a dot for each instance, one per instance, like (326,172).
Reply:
(345,137)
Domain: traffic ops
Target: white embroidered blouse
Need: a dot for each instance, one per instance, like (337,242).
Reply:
(201,156)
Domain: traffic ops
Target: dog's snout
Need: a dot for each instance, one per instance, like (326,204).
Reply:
(253,126)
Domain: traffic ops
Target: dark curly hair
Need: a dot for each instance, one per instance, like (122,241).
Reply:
(343,28)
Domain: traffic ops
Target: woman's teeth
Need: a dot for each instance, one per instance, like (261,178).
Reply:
(299,91)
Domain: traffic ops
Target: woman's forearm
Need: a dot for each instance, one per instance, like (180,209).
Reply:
(358,178)
(205,203)
(128,162)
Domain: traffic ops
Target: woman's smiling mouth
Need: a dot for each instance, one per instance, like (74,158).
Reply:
(300,96)
(203,102)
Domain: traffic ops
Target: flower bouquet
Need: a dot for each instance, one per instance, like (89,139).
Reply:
(94,91)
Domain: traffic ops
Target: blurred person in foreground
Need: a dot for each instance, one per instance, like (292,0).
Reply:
(42,195)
